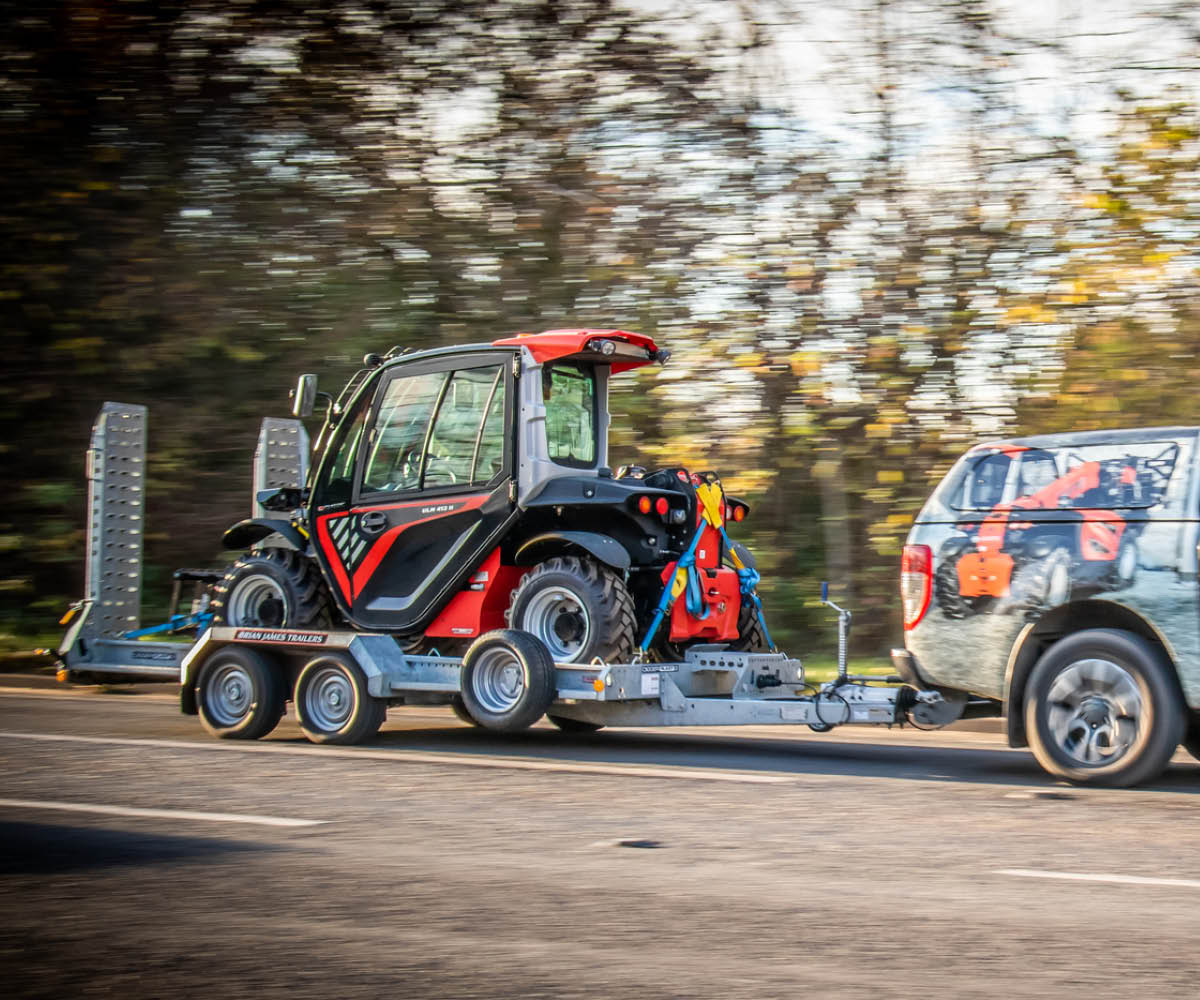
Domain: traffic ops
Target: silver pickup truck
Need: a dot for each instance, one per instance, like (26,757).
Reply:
(1057,576)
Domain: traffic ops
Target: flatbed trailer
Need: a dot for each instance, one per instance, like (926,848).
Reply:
(341,684)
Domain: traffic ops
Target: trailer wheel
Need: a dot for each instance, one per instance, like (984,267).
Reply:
(239,694)
(333,704)
(1103,707)
(459,708)
(272,588)
(507,680)
(574,725)
(577,608)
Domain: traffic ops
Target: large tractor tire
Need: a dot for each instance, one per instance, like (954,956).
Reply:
(577,608)
(272,588)
(751,637)
(1103,707)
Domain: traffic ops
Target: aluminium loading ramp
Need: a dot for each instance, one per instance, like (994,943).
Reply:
(97,641)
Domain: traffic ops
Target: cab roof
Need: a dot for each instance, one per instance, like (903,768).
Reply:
(554,344)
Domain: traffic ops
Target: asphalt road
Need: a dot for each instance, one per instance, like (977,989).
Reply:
(139,858)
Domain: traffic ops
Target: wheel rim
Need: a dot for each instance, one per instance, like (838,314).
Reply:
(329,699)
(560,620)
(228,694)
(1095,712)
(498,681)
(257,600)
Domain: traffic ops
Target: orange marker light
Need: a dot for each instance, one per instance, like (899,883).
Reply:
(644,504)
(739,513)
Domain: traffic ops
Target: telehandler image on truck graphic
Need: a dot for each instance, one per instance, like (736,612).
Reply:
(1078,543)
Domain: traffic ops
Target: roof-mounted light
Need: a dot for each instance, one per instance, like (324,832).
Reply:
(605,347)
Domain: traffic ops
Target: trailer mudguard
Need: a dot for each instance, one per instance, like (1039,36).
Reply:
(254,529)
(606,550)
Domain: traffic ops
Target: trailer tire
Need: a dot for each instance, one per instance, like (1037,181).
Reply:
(459,708)
(239,694)
(507,680)
(272,588)
(333,704)
(1103,707)
(579,609)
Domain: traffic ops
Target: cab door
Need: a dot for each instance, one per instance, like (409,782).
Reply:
(431,490)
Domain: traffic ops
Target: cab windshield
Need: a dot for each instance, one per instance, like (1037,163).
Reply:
(569,392)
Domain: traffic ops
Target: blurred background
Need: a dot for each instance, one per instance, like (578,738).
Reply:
(871,232)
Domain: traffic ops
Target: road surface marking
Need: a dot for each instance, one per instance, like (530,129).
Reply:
(466,760)
(1084,877)
(205,817)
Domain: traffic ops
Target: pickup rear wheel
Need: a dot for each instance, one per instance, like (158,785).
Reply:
(577,608)
(1103,707)
(239,694)
(333,704)
(272,588)
(507,680)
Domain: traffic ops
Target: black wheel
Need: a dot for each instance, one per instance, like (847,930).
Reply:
(751,637)
(459,708)
(1191,737)
(273,588)
(239,694)
(1103,707)
(333,704)
(577,608)
(507,680)
(574,725)
(946,589)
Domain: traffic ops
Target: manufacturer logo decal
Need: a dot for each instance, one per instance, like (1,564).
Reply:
(293,638)
(147,654)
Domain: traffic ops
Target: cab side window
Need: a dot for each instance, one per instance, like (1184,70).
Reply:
(439,430)
(466,447)
(398,452)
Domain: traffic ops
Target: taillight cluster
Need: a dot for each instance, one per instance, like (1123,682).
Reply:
(662,507)
(735,512)
(916,583)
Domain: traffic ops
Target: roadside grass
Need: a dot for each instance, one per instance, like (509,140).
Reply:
(819,669)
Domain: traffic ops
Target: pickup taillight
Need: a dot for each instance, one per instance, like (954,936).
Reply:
(916,583)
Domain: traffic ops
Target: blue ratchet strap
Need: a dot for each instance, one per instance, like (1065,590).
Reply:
(202,620)
(749,579)
(687,562)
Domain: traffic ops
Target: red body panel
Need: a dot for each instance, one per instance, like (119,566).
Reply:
(554,344)
(480,605)
(723,595)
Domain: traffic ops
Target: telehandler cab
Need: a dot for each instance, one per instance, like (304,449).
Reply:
(463,489)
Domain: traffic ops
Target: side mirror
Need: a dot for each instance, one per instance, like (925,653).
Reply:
(304,396)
